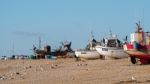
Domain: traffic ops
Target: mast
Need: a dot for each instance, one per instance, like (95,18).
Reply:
(91,39)
(39,42)
(138,29)
(92,36)
(143,25)
(110,33)
(13,49)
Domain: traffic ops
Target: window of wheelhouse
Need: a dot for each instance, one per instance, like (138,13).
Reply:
(111,43)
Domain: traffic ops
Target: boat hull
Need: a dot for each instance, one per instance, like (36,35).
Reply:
(111,52)
(142,53)
(87,54)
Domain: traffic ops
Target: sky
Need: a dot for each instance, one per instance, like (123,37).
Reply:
(23,21)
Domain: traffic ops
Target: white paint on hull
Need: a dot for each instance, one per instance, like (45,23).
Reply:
(87,54)
(111,52)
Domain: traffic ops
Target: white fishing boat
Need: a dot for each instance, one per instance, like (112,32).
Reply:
(90,51)
(111,47)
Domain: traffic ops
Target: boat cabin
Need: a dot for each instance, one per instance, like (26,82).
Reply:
(112,42)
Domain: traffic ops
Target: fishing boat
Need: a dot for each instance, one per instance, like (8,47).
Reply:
(139,46)
(111,47)
(64,50)
(90,51)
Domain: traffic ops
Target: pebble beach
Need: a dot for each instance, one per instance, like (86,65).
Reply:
(70,71)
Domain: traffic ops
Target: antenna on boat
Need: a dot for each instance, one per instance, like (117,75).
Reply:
(138,29)
(39,42)
(13,49)
(143,25)
(92,36)
(110,32)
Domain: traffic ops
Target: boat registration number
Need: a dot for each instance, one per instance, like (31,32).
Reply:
(104,49)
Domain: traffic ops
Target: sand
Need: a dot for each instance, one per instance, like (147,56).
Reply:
(69,71)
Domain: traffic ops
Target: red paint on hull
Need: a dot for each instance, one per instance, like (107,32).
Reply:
(143,53)
(146,57)
(141,47)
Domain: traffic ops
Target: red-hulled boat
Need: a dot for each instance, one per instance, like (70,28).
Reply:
(139,46)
